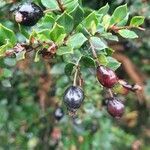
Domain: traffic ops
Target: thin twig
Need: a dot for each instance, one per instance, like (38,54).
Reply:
(110,93)
(94,52)
(47,10)
(60,5)
(116,29)
(75,77)
(76,73)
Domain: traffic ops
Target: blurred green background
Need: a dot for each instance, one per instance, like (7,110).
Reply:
(29,96)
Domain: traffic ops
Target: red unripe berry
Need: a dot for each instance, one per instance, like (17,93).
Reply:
(106,76)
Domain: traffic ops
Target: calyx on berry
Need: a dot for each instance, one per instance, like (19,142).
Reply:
(58,113)
(28,14)
(115,107)
(73,97)
(106,76)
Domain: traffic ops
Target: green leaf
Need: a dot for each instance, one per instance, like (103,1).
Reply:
(7,73)
(56,32)
(102,59)
(97,43)
(6,84)
(77,40)
(124,21)
(110,36)
(113,63)
(23,30)
(91,22)
(51,4)
(60,39)
(5,47)
(6,35)
(64,50)
(87,61)
(72,58)
(109,51)
(78,15)
(66,21)
(69,68)
(119,14)
(128,34)
(137,21)
(106,22)
(43,35)
(70,4)
(46,22)
(103,10)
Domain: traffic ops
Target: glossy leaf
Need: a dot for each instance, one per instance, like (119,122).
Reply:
(97,43)
(77,40)
(69,68)
(102,59)
(128,34)
(7,35)
(87,61)
(137,21)
(56,32)
(46,22)
(110,36)
(4,47)
(106,22)
(51,4)
(64,50)
(66,21)
(78,15)
(103,10)
(91,22)
(113,63)
(70,4)
(119,14)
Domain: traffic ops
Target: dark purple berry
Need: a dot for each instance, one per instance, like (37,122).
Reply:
(115,107)
(28,14)
(73,97)
(59,113)
(106,76)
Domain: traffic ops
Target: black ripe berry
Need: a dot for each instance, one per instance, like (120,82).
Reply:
(28,14)
(59,113)
(115,107)
(106,76)
(73,97)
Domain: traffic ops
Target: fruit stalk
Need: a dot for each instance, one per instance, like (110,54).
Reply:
(94,53)
(110,92)
(76,74)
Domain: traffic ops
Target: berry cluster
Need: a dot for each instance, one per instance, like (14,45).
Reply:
(74,96)
(29,14)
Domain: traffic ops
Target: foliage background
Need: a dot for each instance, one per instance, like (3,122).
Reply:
(29,94)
